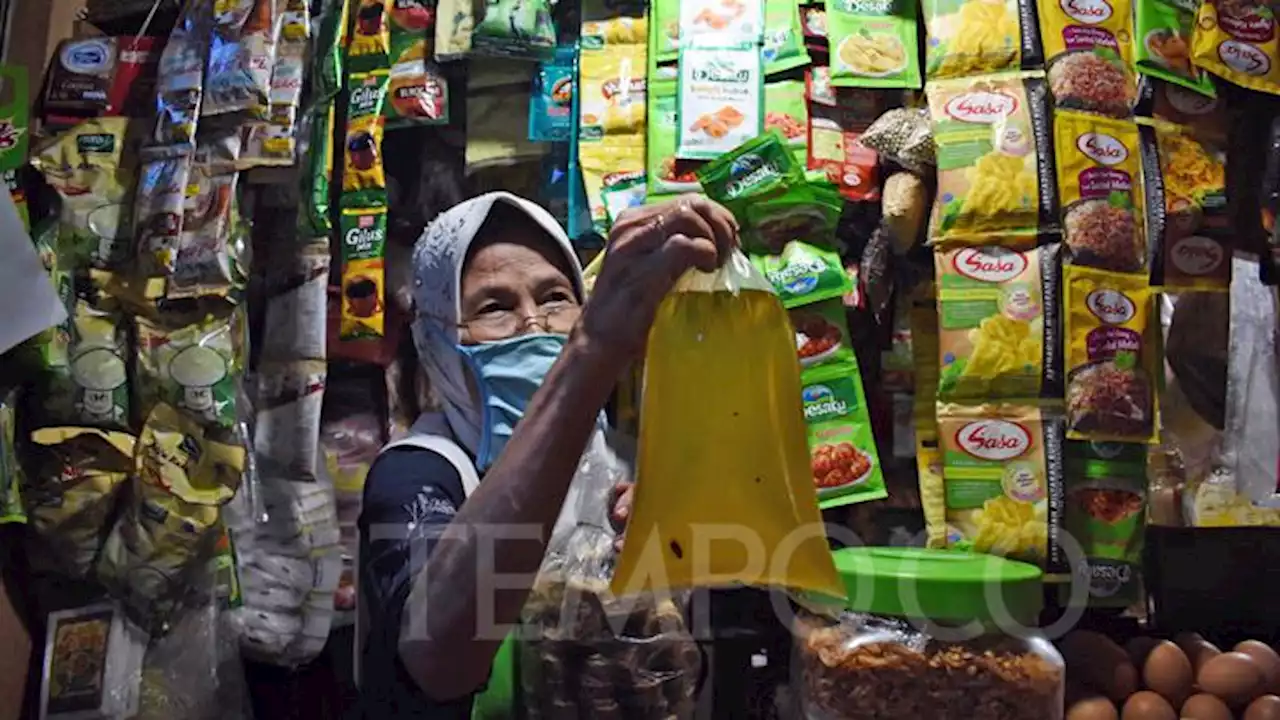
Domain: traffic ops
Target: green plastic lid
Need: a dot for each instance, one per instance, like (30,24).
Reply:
(940,585)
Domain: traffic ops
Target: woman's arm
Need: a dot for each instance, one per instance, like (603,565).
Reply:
(525,489)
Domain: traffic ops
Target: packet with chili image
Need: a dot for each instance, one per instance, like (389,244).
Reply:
(364,180)
(783,47)
(873,44)
(842,448)
(1105,513)
(804,274)
(1237,41)
(667,174)
(369,43)
(761,169)
(1100,183)
(418,93)
(786,110)
(363,251)
(1111,358)
(1163,44)
(1002,471)
(241,57)
(822,333)
(1188,229)
(721,100)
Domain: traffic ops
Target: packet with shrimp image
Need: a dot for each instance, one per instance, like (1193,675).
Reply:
(724,493)
(721,100)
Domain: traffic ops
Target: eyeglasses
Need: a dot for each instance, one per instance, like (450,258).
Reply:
(503,324)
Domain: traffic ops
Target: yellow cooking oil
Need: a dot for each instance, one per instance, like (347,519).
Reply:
(724,491)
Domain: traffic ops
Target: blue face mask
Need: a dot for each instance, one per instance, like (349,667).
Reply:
(507,374)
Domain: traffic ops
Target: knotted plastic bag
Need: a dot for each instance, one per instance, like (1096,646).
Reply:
(724,492)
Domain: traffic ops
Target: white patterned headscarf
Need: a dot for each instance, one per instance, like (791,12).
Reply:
(438,260)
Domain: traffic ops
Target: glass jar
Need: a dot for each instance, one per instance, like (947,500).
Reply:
(928,634)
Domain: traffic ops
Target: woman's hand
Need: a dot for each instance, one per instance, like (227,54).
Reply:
(649,249)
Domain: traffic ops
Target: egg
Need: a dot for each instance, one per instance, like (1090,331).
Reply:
(1138,649)
(1267,660)
(1198,650)
(1266,707)
(1205,707)
(1100,663)
(1147,705)
(1168,672)
(1093,708)
(1232,676)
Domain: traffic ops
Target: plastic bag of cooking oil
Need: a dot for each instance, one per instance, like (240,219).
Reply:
(724,492)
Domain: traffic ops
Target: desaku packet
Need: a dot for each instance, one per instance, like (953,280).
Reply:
(721,100)
(786,110)
(665,173)
(1105,513)
(1163,44)
(783,47)
(842,448)
(804,274)
(873,44)
(822,333)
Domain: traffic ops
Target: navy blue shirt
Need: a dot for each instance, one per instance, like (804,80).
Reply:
(410,495)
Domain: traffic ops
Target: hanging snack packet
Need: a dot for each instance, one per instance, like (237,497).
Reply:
(273,142)
(159,207)
(606,23)
(1088,50)
(667,174)
(721,100)
(1106,508)
(551,102)
(785,109)
(804,274)
(88,168)
(664,33)
(241,57)
(1003,474)
(873,44)
(995,159)
(978,37)
(822,333)
(842,448)
(1238,42)
(999,329)
(1163,44)
(1187,223)
(11,476)
(1101,191)
(612,83)
(203,262)
(319,168)
(516,28)
(364,180)
(369,45)
(180,77)
(176,453)
(605,164)
(783,47)
(195,368)
(70,496)
(87,381)
(837,122)
(1110,356)
(364,240)
(725,337)
(418,92)
(326,63)
(933,494)
(721,23)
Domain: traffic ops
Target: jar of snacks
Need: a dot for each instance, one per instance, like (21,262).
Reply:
(928,634)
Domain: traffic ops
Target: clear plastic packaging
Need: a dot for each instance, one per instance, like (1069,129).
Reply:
(856,665)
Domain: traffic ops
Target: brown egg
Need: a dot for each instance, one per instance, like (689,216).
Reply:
(1093,708)
(1147,705)
(1266,707)
(1138,649)
(1100,663)
(1232,676)
(1168,671)
(1205,707)
(1267,660)
(1198,650)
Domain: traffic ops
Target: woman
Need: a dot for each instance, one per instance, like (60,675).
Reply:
(504,335)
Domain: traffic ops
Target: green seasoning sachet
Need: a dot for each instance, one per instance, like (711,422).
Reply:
(783,37)
(1106,508)
(515,28)
(787,111)
(842,448)
(873,43)
(1164,44)
(664,31)
(822,334)
(804,274)
(759,170)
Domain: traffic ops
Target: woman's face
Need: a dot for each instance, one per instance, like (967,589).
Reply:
(515,281)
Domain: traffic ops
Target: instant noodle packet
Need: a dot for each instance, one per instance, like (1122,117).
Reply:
(364,180)
(417,93)
(1163,44)
(1002,472)
(1100,183)
(1237,41)
(786,110)
(842,448)
(1111,359)
(195,368)
(803,274)
(605,164)
(783,47)
(71,494)
(515,28)
(363,253)
(611,83)
(873,43)
(721,100)
(978,37)
(721,357)
(1088,48)
(551,102)
(999,327)
(995,159)
(369,42)
(1106,509)
(1188,229)
(721,23)
(665,173)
